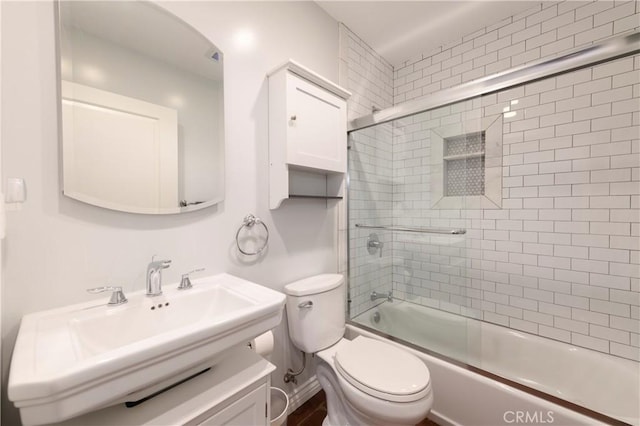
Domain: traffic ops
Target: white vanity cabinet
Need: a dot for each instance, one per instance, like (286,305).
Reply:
(248,410)
(307,135)
(235,391)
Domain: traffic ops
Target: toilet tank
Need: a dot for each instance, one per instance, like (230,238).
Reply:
(316,311)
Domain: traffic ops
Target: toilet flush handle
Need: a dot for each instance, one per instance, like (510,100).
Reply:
(306,305)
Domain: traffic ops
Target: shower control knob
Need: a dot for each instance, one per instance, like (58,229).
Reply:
(374,244)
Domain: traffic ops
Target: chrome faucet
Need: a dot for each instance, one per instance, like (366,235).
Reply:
(154,276)
(375,296)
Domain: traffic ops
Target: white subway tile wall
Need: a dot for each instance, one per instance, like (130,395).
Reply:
(561,259)
(367,75)
(546,30)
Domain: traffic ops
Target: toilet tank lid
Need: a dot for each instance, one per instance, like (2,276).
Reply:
(314,285)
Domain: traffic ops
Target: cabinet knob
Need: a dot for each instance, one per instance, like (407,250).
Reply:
(294,117)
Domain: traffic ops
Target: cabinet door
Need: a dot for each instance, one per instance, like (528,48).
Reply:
(248,410)
(317,127)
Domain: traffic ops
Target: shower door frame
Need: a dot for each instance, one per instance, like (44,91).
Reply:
(611,49)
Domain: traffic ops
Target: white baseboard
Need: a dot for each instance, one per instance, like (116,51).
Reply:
(303,393)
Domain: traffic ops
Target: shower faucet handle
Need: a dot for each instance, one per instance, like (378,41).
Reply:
(374,243)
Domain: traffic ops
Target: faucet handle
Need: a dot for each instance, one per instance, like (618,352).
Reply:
(117,297)
(164,264)
(185,282)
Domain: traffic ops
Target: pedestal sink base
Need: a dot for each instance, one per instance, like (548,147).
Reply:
(63,367)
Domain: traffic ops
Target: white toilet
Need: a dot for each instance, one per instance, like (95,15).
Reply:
(366,381)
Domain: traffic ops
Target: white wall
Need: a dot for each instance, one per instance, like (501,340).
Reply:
(57,247)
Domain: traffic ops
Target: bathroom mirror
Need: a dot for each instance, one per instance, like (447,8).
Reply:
(141,109)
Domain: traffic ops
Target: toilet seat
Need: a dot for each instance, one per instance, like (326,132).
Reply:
(383,370)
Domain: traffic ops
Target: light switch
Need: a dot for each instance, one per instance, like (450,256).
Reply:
(16,191)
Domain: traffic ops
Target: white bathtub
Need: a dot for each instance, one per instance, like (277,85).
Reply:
(602,383)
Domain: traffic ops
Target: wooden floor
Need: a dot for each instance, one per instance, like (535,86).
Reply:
(313,412)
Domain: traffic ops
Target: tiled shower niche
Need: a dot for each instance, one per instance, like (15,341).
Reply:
(464,162)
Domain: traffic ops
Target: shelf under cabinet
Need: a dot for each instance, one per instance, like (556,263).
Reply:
(319,197)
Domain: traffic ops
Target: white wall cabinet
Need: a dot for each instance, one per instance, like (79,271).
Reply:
(307,135)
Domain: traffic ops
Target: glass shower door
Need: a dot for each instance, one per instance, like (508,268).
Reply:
(370,202)
(415,186)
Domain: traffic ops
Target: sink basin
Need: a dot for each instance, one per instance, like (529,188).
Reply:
(77,359)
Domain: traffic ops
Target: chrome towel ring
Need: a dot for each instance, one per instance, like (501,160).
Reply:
(248,222)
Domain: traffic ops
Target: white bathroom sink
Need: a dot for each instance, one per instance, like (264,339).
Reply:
(83,357)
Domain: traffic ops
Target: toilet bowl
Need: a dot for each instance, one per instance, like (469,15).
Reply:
(366,381)
(389,393)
